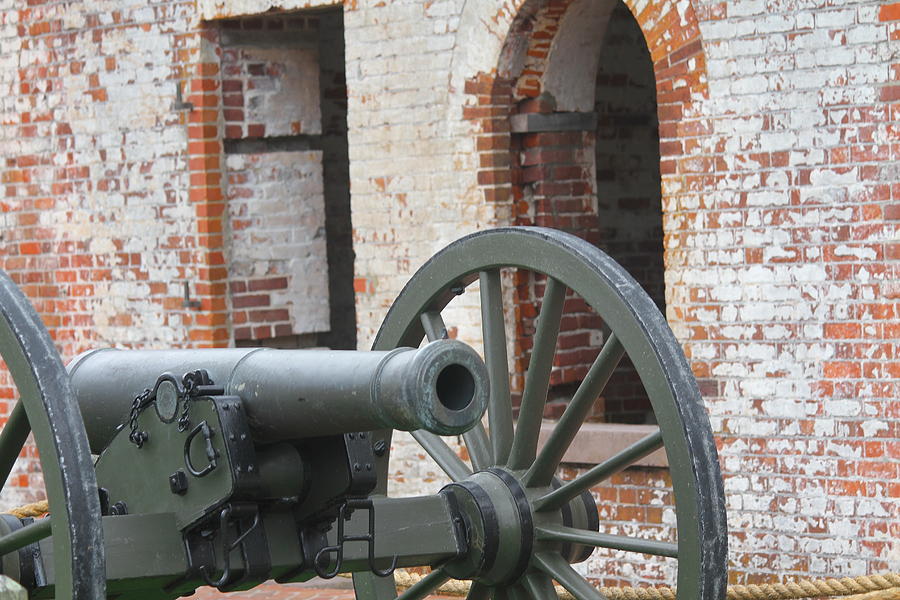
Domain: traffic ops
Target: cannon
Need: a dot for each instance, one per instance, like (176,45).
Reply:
(168,470)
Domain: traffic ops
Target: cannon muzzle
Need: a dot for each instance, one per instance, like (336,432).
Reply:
(442,387)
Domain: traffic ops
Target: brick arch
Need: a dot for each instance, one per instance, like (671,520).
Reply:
(560,27)
(536,72)
(507,56)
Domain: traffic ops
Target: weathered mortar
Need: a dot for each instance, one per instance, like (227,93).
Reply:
(779,140)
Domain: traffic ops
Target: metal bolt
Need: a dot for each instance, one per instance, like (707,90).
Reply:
(362,435)
(250,468)
(356,467)
(379,448)
(178,482)
(351,436)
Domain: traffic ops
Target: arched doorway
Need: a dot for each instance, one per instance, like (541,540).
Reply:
(586,143)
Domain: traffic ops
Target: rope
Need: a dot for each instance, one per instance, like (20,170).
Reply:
(864,587)
(35,509)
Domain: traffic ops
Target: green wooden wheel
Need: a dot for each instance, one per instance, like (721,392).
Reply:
(530,533)
(47,408)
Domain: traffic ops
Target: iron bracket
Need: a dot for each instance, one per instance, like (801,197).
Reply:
(323,555)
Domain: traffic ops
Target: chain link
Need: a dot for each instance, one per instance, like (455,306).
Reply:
(140,402)
(191,381)
(190,385)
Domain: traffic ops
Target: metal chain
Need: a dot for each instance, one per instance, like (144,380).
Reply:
(190,385)
(140,402)
(191,380)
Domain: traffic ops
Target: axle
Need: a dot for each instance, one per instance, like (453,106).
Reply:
(294,394)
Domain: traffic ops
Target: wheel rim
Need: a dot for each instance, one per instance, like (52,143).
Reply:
(639,330)
(47,408)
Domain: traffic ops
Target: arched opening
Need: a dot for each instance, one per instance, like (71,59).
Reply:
(586,143)
(629,202)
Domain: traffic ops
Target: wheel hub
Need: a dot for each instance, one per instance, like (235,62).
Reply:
(497,514)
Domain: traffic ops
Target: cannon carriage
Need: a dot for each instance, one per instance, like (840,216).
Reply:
(229,467)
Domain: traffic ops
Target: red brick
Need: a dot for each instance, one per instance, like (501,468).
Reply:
(272,283)
(889,12)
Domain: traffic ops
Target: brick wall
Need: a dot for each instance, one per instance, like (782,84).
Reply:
(284,103)
(778,143)
(779,268)
(270,80)
(780,259)
(114,202)
(96,217)
(278,270)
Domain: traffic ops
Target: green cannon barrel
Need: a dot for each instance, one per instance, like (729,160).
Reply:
(291,394)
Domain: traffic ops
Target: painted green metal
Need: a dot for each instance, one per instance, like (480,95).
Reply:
(292,394)
(554,566)
(27,535)
(12,438)
(603,540)
(537,378)
(52,416)
(147,559)
(568,491)
(139,476)
(476,438)
(544,467)
(640,331)
(494,333)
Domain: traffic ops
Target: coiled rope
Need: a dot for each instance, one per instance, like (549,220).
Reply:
(35,509)
(864,587)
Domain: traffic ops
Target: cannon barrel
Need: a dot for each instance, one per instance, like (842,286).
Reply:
(442,387)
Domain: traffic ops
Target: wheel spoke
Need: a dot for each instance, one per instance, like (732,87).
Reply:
(369,586)
(516,592)
(12,439)
(494,332)
(541,472)
(446,458)
(29,534)
(479,591)
(555,566)
(592,477)
(433,324)
(537,379)
(559,533)
(479,447)
(425,586)
(539,586)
